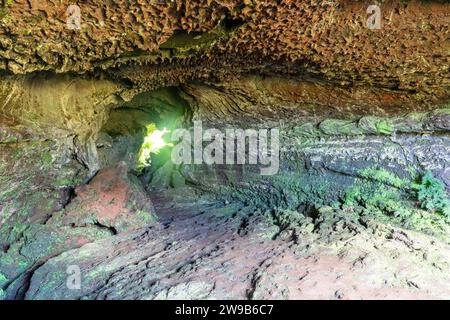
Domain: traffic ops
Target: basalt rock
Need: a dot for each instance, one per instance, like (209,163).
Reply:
(363,117)
(172,42)
(113,199)
(209,251)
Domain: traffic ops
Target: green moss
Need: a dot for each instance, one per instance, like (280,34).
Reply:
(373,194)
(384,176)
(306,130)
(67,182)
(145,216)
(13,262)
(2,295)
(47,159)
(99,272)
(384,127)
(432,196)
(412,122)
(340,127)
(286,218)
(53,280)
(3,280)
(376,125)
(284,190)
(63,182)
(388,198)
(9,140)
(443,111)
(4,11)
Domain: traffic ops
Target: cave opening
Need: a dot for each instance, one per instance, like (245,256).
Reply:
(154,141)
(138,132)
(94,203)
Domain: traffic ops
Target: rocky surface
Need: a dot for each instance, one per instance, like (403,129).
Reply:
(360,207)
(113,199)
(173,42)
(270,100)
(216,251)
(71,194)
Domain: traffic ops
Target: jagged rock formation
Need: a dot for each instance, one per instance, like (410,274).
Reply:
(211,251)
(324,39)
(364,126)
(113,199)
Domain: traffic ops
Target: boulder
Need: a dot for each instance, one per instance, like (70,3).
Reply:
(113,199)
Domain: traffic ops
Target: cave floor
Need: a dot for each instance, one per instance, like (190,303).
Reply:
(208,250)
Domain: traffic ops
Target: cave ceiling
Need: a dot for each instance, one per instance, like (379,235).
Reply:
(150,44)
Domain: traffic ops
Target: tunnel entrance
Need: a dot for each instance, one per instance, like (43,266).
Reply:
(138,132)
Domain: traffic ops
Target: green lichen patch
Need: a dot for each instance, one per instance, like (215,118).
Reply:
(3,280)
(376,125)
(4,11)
(340,127)
(390,198)
(285,190)
(40,242)
(384,176)
(432,196)
(413,122)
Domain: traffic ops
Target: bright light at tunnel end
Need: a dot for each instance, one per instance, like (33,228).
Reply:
(153,143)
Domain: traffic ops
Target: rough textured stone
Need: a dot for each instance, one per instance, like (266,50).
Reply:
(363,114)
(242,256)
(113,199)
(326,40)
(62,108)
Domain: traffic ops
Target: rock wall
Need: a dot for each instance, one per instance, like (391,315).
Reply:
(336,146)
(48,133)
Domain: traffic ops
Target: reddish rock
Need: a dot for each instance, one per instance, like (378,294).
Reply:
(113,199)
